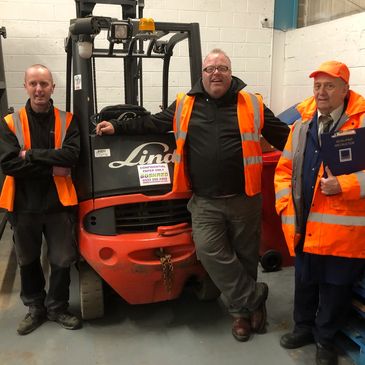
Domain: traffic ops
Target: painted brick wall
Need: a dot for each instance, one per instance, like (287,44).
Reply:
(36,30)
(306,48)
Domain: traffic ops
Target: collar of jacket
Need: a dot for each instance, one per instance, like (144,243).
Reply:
(41,115)
(354,104)
(229,97)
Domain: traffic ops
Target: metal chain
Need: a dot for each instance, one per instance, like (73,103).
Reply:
(167,269)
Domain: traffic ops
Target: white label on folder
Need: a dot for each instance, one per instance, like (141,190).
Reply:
(345,154)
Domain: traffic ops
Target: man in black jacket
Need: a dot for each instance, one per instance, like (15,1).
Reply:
(39,145)
(225,208)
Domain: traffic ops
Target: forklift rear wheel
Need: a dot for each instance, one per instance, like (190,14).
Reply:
(91,292)
(271,261)
(206,290)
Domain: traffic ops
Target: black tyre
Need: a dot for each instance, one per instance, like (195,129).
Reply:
(205,289)
(91,292)
(271,261)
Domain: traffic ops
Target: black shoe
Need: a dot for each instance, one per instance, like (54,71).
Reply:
(326,355)
(30,323)
(65,319)
(296,339)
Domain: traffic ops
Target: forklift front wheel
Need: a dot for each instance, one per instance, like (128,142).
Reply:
(205,289)
(91,292)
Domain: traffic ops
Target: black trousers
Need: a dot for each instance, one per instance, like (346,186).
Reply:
(320,308)
(58,230)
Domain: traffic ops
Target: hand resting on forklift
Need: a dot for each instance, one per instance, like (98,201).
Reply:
(104,127)
(120,112)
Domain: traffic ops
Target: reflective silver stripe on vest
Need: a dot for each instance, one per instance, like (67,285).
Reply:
(182,134)
(281,193)
(63,125)
(250,137)
(296,130)
(286,154)
(253,160)
(337,219)
(361,178)
(344,118)
(178,133)
(256,118)
(18,129)
(177,158)
(288,219)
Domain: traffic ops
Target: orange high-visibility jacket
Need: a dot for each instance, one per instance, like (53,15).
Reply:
(336,223)
(250,113)
(18,124)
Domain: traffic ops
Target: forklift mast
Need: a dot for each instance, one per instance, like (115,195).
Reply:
(134,232)
(132,39)
(85,8)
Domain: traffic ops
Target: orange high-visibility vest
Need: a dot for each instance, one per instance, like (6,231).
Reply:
(250,114)
(336,223)
(18,124)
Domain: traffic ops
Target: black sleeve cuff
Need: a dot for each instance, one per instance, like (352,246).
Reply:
(28,155)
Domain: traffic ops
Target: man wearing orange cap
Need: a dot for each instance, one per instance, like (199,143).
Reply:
(323,216)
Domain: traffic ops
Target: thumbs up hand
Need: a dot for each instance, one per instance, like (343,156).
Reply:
(330,184)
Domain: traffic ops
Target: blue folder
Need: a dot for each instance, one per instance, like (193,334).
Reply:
(344,151)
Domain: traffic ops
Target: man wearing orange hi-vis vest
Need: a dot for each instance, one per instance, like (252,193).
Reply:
(39,146)
(323,216)
(218,156)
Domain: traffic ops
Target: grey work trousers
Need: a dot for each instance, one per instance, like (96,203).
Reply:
(226,233)
(59,232)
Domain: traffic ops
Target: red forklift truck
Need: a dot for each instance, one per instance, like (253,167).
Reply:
(134,234)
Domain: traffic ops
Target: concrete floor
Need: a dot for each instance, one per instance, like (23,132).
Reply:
(184,331)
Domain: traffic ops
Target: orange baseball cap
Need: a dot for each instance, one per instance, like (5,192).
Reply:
(334,69)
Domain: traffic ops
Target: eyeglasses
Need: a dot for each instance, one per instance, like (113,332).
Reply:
(211,69)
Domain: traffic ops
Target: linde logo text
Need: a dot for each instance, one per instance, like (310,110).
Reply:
(141,156)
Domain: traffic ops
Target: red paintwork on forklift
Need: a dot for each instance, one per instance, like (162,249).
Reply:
(129,262)
(272,236)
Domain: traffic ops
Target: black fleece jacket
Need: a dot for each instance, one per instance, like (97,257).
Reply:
(213,145)
(35,191)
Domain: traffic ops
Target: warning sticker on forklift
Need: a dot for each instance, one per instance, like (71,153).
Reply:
(77,82)
(154,174)
(102,152)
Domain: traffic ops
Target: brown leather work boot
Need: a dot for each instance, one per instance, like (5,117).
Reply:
(241,329)
(258,319)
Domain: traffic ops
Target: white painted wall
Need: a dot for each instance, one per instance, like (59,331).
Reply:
(301,51)
(36,30)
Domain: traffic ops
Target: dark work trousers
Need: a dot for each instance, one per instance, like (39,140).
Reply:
(226,233)
(320,308)
(58,231)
